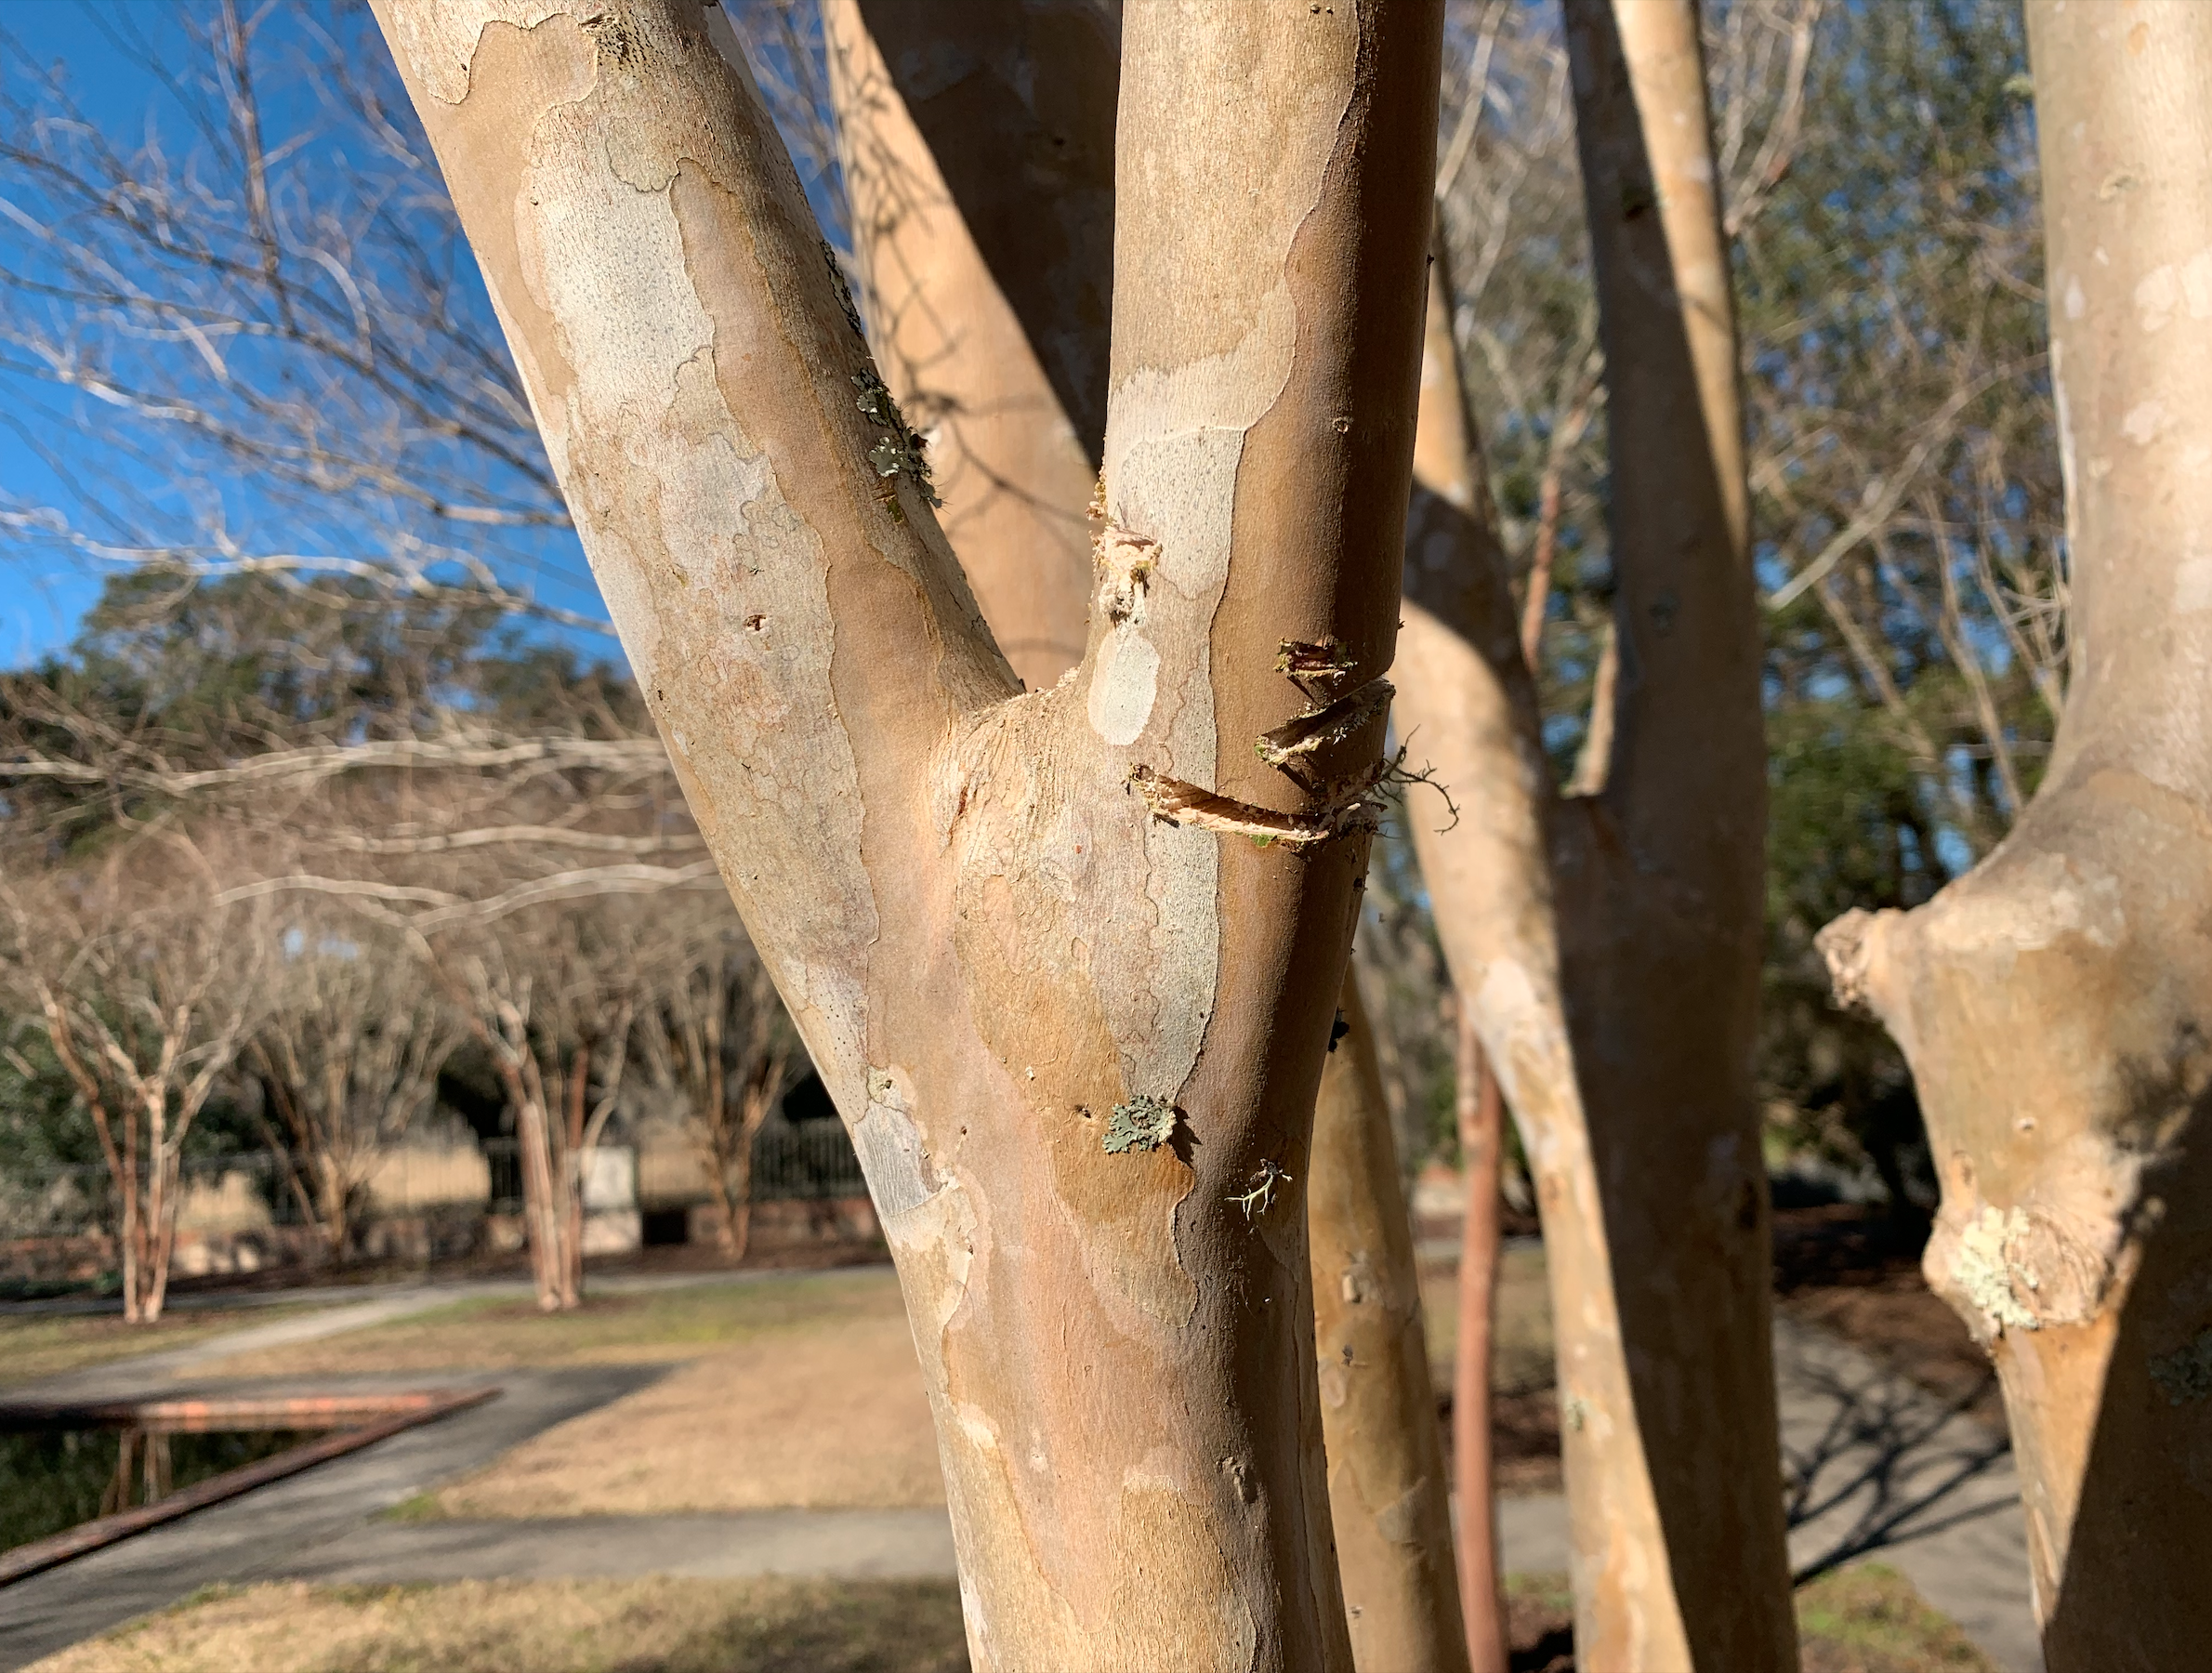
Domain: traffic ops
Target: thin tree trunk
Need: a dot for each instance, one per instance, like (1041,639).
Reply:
(1665,937)
(1465,697)
(134,1222)
(541,1221)
(1389,1494)
(977,141)
(1643,903)
(570,1179)
(2056,1003)
(999,920)
(1481,1111)
(165,1182)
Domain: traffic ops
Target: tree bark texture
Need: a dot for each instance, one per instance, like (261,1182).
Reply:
(1480,1114)
(2056,1003)
(977,139)
(1016,929)
(1608,945)
(942,211)
(1389,1495)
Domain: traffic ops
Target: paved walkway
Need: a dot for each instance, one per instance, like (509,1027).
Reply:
(1877,1467)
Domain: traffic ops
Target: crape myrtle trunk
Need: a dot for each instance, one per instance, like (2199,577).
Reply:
(2056,1003)
(1010,927)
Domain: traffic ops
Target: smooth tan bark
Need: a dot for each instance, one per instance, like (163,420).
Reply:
(975,902)
(1467,707)
(1480,1114)
(977,139)
(2056,1003)
(990,71)
(1390,1494)
(1608,945)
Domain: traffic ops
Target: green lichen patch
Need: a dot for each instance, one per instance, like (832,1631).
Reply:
(1986,1272)
(2186,1374)
(900,453)
(1144,1123)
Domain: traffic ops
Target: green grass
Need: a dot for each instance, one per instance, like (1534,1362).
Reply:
(638,1327)
(42,1345)
(414,1508)
(1865,1618)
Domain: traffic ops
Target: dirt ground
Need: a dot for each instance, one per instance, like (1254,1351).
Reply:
(823,1406)
(815,1418)
(1856,1273)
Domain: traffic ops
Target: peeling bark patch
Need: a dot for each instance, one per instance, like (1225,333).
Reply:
(892,1155)
(2186,1374)
(1302,735)
(1345,809)
(1125,561)
(1124,687)
(1323,663)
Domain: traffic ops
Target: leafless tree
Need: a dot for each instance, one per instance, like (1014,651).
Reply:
(346,1053)
(712,1029)
(142,980)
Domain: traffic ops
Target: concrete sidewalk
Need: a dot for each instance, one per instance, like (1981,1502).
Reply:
(1878,1467)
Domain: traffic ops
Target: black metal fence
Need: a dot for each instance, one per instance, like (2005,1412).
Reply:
(803,1160)
(792,1161)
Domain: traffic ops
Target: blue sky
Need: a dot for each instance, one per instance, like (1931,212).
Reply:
(103,471)
(39,604)
(117,476)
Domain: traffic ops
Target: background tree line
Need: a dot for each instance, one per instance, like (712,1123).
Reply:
(322,487)
(292,850)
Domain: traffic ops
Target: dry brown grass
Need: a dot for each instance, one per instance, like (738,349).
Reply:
(1862,1619)
(544,1627)
(649,1327)
(828,1417)
(1521,1356)
(39,1346)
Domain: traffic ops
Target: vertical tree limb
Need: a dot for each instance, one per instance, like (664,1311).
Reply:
(1389,1498)
(2056,1003)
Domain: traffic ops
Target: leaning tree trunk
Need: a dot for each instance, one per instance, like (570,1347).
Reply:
(1005,925)
(1389,1495)
(977,143)
(1481,1115)
(2056,1003)
(1608,945)
(961,248)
